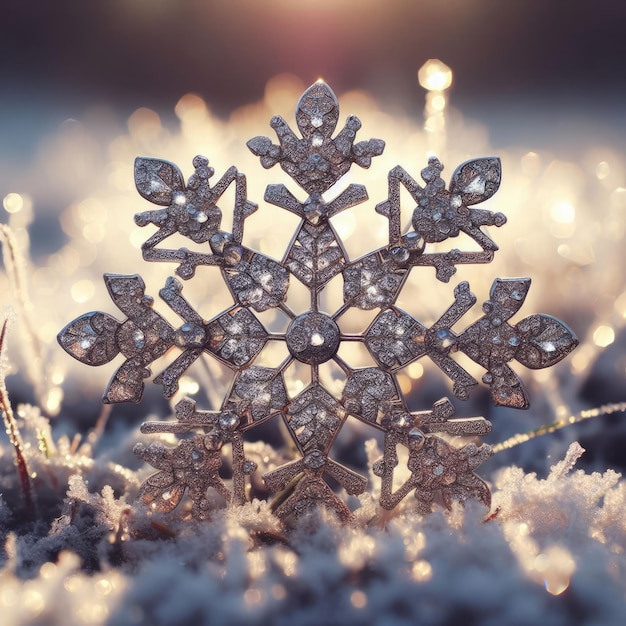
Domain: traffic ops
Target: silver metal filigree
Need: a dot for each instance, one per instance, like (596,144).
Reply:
(316,160)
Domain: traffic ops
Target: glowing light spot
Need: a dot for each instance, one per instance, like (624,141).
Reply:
(438,102)
(191,108)
(33,601)
(531,164)
(188,386)
(253,596)
(94,232)
(620,304)
(603,170)
(290,561)
(103,587)
(73,583)
(317,339)
(144,124)
(434,124)
(53,400)
(581,359)
(8,596)
(296,386)
(415,370)
(92,613)
(279,592)
(281,90)
(57,377)
(563,213)
(82,291)
(603,336)
(13,202)
(556,567)
(434,75)
(90,210)
(422,571)
(358,599)
(47,570)
(405,383)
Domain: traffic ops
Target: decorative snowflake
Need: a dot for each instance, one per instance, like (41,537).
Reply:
(314,417)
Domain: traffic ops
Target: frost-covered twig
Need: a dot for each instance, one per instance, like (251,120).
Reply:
(515,440)
(14,434)
(14,265)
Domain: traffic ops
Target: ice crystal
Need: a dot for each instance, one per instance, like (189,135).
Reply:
(316,255)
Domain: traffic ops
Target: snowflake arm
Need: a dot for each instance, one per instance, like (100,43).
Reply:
(317,160)
(435,465)
(191,211)
(537,341)
(441,214)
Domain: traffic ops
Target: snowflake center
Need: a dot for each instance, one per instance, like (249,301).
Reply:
(313,338)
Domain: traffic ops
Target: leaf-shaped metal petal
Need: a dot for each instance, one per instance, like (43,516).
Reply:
(126,384)
(128,293)
(372,282)
(160,493)
(467,486)
(395,338)
(145,336)
(315,256)
(236,337)
(257,281)
(315,418)
(477,180)
(506,388)
(90,338)
(258,392)
(317,111)
(260,146)
(506,297)
(156,180)
(545,341)
(369,394)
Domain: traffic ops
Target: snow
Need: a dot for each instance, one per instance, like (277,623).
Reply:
(550,552)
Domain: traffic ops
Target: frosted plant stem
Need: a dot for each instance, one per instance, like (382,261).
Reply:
(14,263)
(14,435)
(98,430)
(515,440)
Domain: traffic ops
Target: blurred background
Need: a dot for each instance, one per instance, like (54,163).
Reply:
(87,86)
(549,73)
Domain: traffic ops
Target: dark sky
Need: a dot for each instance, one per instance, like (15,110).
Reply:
(129,53)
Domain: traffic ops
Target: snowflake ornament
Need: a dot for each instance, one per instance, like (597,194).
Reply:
(316,160)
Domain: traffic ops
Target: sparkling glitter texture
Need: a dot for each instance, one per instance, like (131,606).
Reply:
(314,416)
